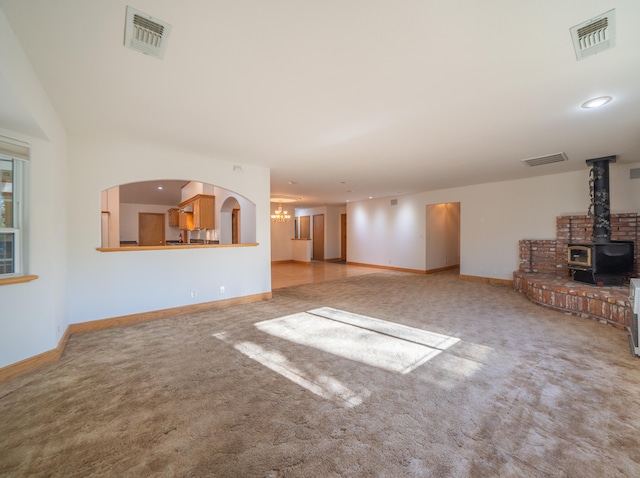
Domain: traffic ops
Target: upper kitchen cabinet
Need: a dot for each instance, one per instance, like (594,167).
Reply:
(174,217)
(202,207)
(185,221)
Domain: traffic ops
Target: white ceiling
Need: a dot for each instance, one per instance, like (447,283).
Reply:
(378,98)
(149,192)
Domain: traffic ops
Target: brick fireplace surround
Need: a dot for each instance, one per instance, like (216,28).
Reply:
(544,277)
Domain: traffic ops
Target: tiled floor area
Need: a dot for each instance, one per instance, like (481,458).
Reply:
(286,274)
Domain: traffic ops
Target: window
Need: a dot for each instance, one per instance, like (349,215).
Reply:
(12,159)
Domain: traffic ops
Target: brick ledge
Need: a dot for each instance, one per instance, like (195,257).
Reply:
(608,305)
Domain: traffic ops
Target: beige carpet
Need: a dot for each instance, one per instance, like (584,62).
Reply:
(518,391)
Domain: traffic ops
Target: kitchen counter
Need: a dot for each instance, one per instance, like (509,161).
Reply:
(171,246)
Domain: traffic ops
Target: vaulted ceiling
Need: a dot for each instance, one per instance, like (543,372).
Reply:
(345,99)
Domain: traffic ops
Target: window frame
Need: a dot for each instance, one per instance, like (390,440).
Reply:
(18,214)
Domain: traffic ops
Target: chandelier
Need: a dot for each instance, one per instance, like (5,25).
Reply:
(279,215)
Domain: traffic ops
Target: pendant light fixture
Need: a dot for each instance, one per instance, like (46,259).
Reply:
(279,215)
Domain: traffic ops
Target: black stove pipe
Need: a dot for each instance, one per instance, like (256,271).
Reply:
(600,198)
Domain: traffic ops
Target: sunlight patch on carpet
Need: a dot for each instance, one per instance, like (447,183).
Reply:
(379,343)
(313,380)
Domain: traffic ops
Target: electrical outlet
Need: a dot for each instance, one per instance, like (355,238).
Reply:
(194,293)
(222,289)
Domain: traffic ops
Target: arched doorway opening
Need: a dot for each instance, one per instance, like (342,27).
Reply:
(230,231)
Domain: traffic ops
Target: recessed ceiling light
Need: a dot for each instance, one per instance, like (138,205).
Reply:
(160,187)
(370,197)
(595,102)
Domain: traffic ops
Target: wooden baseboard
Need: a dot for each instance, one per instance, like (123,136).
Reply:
(51,356)
(442,269)
(286,261)
(37,361)
(488,280)
(101,324)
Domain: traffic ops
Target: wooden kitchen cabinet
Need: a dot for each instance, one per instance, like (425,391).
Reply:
(200,212)
(174,217)
(203,214)
(185,221)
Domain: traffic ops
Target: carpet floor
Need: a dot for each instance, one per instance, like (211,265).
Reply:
(511,390)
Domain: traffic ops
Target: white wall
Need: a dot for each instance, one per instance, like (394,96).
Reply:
(110,284)
(493,218)
(32,315)
(332,233)
(381,234)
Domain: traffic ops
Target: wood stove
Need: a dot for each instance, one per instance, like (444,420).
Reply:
(603,262)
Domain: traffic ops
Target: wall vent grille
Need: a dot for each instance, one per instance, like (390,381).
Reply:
(594,35)
(394,202)
(145,34)
(634,173)
(548,159)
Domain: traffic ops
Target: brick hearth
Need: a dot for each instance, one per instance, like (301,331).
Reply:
(543,275)
(608,305)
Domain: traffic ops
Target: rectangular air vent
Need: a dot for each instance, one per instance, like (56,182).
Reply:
(145,34)
(595,35)
(548,159)
(634,173)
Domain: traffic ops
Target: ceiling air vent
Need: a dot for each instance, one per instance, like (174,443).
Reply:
(146,34)
(595,35)
(550,158)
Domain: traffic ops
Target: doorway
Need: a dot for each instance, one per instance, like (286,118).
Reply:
(442,236)
(151,229)
(318,237)
(230,222)
(235,226)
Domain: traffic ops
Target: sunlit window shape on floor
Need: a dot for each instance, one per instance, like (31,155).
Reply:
(379,343)
(312,379)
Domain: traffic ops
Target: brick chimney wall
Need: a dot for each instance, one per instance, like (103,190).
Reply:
(550,256)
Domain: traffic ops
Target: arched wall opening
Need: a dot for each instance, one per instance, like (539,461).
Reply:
(186,211)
